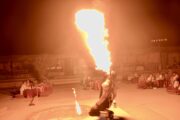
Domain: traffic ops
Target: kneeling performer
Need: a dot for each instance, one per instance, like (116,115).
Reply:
(106,97)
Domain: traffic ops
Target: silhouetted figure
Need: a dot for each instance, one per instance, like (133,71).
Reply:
(107,95)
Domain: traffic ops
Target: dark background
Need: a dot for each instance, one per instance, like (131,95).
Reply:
(47,26)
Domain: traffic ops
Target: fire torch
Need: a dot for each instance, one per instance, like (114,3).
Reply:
(77,106)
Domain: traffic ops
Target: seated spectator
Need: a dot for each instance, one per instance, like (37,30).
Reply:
(155,81)
(160,80)
(142,82)
(178,90)
(44,89)
(174,83)
(166,80)
(97,84)
(26,85)
(149,81)
(91,83)
(86,81)
(174,80)
(130,78)
(135,79)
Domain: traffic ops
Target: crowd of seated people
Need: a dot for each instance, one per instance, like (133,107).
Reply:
(151,80)
(30,88)
(174,83)
(91,83)
(170,81)
(132,78)
(95,82)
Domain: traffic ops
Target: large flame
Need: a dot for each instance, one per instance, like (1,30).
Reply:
(91,23)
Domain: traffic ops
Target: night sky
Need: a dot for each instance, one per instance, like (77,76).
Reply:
(47,26)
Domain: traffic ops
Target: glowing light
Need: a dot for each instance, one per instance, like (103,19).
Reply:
(91,24)
(78,108)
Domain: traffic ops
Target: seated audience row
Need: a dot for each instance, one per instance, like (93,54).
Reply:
(170,81)
(30,89)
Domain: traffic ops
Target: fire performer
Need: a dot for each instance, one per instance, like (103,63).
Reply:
(95,34)
(106,97)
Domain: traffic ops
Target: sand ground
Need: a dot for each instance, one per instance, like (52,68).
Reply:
(137,104)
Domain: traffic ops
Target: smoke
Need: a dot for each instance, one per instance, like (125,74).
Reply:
(99,4)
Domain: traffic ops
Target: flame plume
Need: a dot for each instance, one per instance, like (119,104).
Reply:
(91,24)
